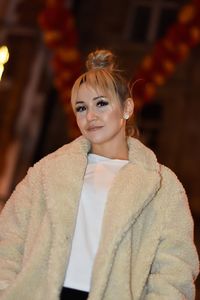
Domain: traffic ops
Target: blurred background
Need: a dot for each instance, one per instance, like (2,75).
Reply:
(43,46)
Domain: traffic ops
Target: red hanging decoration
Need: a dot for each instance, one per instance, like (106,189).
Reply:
(59,32)
(171,50)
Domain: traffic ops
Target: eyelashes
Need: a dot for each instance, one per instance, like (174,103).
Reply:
(80,108)
(102,103)
(99,104)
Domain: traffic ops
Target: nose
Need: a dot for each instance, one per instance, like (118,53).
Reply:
(91,115)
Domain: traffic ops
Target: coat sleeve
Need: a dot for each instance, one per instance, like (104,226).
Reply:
(176,263)
(14,220)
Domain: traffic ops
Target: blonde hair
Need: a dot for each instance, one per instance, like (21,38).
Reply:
(103,75)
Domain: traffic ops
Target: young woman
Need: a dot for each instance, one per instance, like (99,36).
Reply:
(99,218)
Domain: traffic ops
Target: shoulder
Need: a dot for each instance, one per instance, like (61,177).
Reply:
(78,147)
(170,180)
(68,153)
(143,155)
(172,196)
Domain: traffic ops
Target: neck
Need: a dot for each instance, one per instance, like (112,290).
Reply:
(115,151)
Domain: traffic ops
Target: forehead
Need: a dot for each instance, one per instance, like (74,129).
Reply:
(85,92)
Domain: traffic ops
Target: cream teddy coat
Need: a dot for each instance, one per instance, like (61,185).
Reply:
(146,249)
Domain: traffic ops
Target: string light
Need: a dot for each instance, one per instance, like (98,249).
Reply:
(4,57)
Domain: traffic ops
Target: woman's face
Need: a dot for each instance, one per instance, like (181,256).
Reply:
(99,119)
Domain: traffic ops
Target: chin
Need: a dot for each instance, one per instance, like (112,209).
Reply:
(95,140)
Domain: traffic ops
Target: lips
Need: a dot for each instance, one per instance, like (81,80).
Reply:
(94,128)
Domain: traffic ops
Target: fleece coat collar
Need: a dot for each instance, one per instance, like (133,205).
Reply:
(133,188)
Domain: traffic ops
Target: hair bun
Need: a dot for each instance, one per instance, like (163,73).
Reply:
(100,59)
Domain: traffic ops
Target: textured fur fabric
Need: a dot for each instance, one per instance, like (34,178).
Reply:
(146,249)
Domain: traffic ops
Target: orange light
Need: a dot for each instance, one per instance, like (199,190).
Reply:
(147,62)
(159,79)
(187,13)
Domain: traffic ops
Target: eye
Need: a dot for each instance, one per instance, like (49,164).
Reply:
(102,102)
(80,108)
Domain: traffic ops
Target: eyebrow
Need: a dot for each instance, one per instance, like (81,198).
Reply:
(95,98)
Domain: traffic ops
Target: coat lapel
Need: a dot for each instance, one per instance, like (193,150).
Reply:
(63,179)
(133,189)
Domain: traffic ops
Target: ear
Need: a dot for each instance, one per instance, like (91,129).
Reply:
(129,107)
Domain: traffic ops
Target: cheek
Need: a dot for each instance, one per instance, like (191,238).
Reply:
(80,122)
(116,116)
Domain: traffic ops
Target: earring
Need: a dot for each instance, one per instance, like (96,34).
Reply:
(126,116)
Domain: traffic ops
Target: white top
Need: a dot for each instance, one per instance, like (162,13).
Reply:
(99,176)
